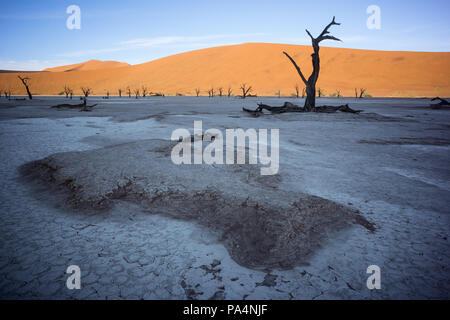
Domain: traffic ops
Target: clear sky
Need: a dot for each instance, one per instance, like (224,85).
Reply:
(34,33)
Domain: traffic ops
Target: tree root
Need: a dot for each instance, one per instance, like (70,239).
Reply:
(290,107)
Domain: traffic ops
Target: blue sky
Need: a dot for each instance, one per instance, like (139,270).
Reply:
(35,35)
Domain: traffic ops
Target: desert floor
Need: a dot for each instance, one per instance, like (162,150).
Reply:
(391,163)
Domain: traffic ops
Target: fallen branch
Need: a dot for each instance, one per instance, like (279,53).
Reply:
(442,102)
(82,106)
(290,107)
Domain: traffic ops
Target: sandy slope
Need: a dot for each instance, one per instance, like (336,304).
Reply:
(265,68)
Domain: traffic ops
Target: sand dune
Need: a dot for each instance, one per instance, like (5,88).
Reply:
(382,73)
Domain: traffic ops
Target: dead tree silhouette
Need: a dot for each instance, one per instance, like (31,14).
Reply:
(310,102)
(25,83)
(136,93)
(67,91)
(86,91)
(129,92)
(320,93)
(297,91)
(245,90)
(362,93)
(230,92)
(197,92)
(120,93)
(220,92)
(144,91)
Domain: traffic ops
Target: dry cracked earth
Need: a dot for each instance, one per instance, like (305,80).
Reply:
(98,190)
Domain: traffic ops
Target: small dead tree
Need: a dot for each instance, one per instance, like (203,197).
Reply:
(27,86)
(310,102)
(297,91)
(86,91)
(144,91)
(211,93)
(220,92)
(230,92)
(120,93)
(107,94)
(129,92)
(197,92)
(362,93)
(320,93)
(245,90)
(67,91)
(338,93)
(136,93)
(71,94)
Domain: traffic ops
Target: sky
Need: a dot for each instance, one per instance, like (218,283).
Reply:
(35,33)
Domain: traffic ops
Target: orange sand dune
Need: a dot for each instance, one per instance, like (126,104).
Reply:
(89,65)
(382,73)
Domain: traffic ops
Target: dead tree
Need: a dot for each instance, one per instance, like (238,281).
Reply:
(310,102)
(303,92)
(25,83)
(245,90)
(129,92)
(338,93)
(67,91)
(144,91)
(211,93)
(362,93)
(230,92)
(356,93)
(220,92)
(297,91)
(197,92)
(86,91)
(120,93)
(320,93)
(136,93)
(71,94)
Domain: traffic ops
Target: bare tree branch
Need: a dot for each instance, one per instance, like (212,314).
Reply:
(296,67)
